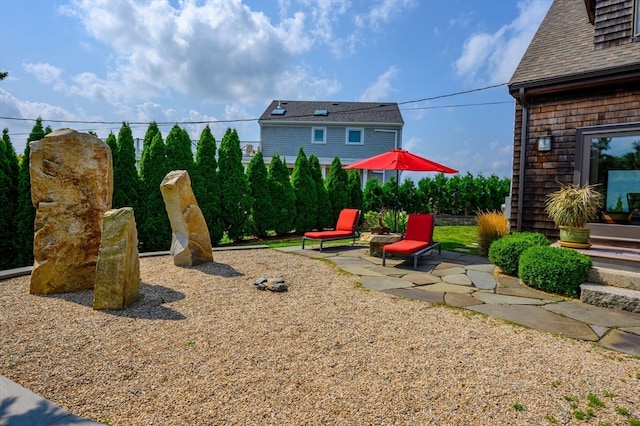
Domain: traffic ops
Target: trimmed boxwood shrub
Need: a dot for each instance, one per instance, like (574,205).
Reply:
(506,251)
(554,270)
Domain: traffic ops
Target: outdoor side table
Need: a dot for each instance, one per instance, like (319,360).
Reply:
(378,241)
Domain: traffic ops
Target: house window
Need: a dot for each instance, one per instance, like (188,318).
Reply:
(355,136)
(611,159)
(318,135)
(636,21)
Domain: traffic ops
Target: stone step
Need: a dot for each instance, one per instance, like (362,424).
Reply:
(614,277)
(624,299)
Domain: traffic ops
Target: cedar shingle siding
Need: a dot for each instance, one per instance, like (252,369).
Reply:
(574,74)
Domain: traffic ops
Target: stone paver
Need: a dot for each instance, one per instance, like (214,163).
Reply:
(600,331)
(487,267)
(634,330)
(421,279)
(622,341)
(458,279)
(482,280)
(449,288)
(594,314)
(417,293)
(384,283)
(359,270)
(439,272)
(501,299)
(527,292)
(540,319)
(461,300)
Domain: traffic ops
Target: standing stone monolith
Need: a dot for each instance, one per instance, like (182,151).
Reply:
(71,188)
(190,244)
(118,270)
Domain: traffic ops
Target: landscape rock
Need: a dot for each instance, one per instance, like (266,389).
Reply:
(272,284)
(118,271)
(71,189)
(191,244)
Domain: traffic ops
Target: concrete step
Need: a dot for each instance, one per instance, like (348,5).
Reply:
(615,277)
(624,299)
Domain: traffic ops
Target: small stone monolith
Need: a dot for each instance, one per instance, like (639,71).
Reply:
(118,271)
(71,188)
(190,244)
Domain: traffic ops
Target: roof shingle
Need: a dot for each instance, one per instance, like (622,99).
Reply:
(338,112)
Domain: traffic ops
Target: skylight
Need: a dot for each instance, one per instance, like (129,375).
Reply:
(321,112)
(278,111)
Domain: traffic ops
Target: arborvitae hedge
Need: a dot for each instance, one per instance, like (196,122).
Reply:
(155,232)
(355,189)
(262,216)
(305,190)
(25,212)
(206,184)
(7,211)
(126,185)
(179,155)
(235,200)
(146,145)
(283,198)
(337,186)
(323,212)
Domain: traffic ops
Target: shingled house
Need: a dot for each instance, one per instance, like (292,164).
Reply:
(577,115)
(351,131)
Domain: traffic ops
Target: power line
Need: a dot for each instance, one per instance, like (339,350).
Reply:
(245,120)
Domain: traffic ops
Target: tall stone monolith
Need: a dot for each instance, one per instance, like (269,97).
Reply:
(118,271)
(190,244)
(71,189)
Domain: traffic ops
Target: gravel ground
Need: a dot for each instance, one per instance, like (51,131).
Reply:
(204,347)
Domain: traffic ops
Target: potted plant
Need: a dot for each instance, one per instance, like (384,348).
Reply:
(571,207)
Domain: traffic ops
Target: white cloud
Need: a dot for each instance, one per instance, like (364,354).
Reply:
(493,57)
(382,88)
(44,73)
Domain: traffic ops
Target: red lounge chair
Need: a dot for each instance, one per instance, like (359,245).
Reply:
(345,228)
(418,239)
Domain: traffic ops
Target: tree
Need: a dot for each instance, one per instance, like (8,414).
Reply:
(337,187)
(126,184)
(206,184)
(305,191)
(408,199)
(355,189)
(12,163)
(7,210)
(3,75)
(235,200)
(155,231)
(262,216)
(372,196)
(323,211)
(283,198)
(113,144)
(179,154)
(25,211)
(146,145)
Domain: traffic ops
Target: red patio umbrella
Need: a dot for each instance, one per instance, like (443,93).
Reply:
(399,159)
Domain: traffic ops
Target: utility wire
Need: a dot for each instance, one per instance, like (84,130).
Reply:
(244,120)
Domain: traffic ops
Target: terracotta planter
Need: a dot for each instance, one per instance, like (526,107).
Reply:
(574,237)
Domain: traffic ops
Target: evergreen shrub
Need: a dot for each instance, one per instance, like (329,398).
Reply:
(554,269)
(505,252)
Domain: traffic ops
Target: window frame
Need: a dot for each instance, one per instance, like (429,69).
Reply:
(636,19)
(324,135)
(354,129)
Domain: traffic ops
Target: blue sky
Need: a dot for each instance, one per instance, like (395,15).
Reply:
(185,61)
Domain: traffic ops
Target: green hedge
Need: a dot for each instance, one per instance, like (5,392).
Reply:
(554,270)
(505,252)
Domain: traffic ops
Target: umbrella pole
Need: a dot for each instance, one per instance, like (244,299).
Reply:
(395,210)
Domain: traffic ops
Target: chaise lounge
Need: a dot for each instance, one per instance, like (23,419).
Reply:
(345,228)
(418,239)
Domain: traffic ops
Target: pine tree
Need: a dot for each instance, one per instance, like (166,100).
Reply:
(355,189)
(25,212)
(305,190)
(235,200)
(179,154)
(206,184)
(283,198)
(7,210)
(12,159)
(323,211)
(146,145)
(125,175)
(113,144)
(155,231)
(262,216)
(337,187)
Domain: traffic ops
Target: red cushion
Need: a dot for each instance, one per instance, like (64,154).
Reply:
(419,227)
(321,235)
(405,247)
(347,220)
